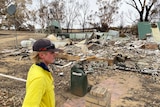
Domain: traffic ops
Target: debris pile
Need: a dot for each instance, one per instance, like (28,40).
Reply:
(123,53)
(97,54)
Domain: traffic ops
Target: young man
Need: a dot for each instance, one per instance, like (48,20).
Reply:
(40,83)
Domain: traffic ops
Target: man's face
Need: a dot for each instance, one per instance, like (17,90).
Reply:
(47,57)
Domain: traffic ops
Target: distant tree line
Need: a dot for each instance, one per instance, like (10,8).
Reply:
(70,13)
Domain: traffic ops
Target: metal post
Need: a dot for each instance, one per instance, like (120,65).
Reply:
(11,11)
(16,41)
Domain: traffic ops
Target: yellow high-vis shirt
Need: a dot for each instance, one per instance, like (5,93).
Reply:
(39,88)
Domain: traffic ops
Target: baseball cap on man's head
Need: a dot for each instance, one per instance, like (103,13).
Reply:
(45,45)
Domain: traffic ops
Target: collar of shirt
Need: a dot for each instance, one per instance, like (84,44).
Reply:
(41,64)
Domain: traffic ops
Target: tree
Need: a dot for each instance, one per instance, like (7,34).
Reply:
(155,12)
(106,11)
(43,15)
(71,13)
(143,8)
(92,20)
(20,15)
(83,14)
(56,10)
(56,16)
(50,12)
(3,12)
(2,9)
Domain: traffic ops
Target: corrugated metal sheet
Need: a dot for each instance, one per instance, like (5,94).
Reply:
(113,33)
(158,24)
(143,29)
(79,35)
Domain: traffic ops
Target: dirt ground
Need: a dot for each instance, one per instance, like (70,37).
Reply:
(128,89)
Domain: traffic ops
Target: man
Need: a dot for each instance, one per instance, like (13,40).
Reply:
(40,83)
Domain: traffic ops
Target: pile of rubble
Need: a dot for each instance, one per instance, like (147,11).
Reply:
(124,53)
(96,54)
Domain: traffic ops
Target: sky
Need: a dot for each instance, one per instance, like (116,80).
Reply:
(125,9)
(129,13)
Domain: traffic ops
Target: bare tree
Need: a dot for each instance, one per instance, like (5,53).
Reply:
(56,16)
(144,9)
(56,10)
(84,14)
(49,12)
(71,13)
(106,12)
(43,15)
(91,20)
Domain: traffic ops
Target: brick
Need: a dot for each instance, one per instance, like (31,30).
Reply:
(105,101)
(108,105)
(92,91)
(98,91)
(98,97)
(102,92)
(88,104)
(91,98)
(95,105)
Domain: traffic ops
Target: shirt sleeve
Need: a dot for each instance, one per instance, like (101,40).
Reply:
(34,92)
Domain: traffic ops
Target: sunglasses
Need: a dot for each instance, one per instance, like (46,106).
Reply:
(47,48)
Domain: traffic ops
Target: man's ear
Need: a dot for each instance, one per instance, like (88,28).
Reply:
(41,54)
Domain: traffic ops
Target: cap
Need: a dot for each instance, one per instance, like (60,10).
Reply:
(44,45)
